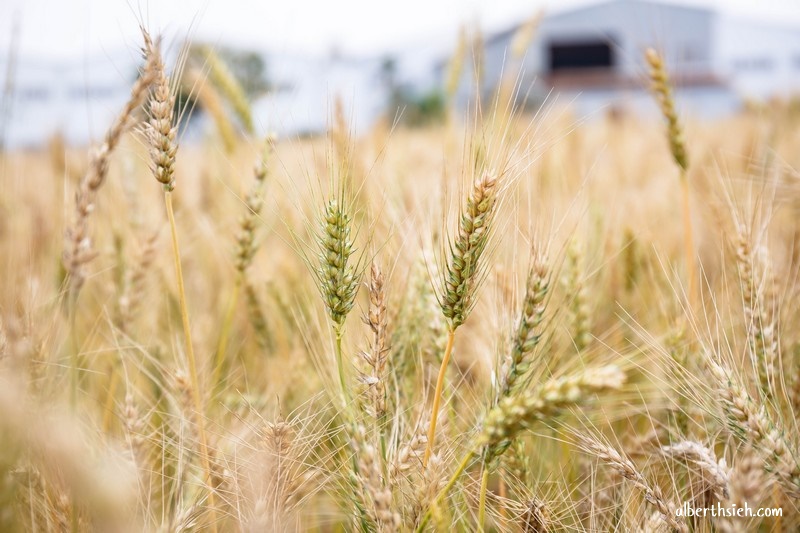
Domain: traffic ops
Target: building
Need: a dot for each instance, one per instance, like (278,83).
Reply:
(39,98)
(306,88)
(593,57)
(589,56)
(78,100)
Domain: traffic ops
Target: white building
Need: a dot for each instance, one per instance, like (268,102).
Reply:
(80,99)
(307,87)
(590,55)
(39,98)
(593,56)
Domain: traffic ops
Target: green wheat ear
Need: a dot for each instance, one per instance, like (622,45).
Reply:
(463,266)
(338,277)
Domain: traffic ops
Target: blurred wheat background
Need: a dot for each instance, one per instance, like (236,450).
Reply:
(497,321)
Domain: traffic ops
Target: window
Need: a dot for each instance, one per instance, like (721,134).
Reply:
(692,52)
(580,55)
(753,63)
(35,94)
(91,92)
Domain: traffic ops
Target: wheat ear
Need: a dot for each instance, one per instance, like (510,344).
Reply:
(662,89)
(575,287)
(462,275)
(753,425)
(517,413)
(759,318)
(377,502)
(161,134)
(194,81)
(527,334)
(625,467)
(715,472)
(377,356)
(338,277)
(78,249)
(246,248)
(227,83)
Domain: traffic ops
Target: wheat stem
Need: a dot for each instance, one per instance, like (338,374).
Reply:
(196,398)
(108,408)
(74,361)
(482,500)
(442,493)
(437,396)
(339,332)
(688,241)
(222,345)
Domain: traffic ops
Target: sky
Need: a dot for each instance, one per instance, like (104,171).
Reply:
(72,29)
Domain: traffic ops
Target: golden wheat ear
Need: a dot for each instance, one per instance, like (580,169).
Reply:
(527,334)
(662,89)
(78,248)
(626,468)
(161,133)
(245,251)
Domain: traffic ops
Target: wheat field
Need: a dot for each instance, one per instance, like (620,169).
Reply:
(506,321)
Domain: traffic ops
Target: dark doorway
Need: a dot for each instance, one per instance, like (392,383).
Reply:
(580,55)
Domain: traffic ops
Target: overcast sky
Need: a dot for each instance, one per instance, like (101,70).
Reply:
(69,29)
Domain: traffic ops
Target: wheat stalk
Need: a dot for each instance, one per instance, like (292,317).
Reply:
(161,134)
(462,275)
(246,248)
(516,413)
(78,250)
(524,339)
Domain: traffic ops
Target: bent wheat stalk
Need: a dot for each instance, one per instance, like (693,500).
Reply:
(78,249)
(515,414)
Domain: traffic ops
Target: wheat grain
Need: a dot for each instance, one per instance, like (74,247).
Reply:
(527,333)
(461,276)
(715,472)
(377,356)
